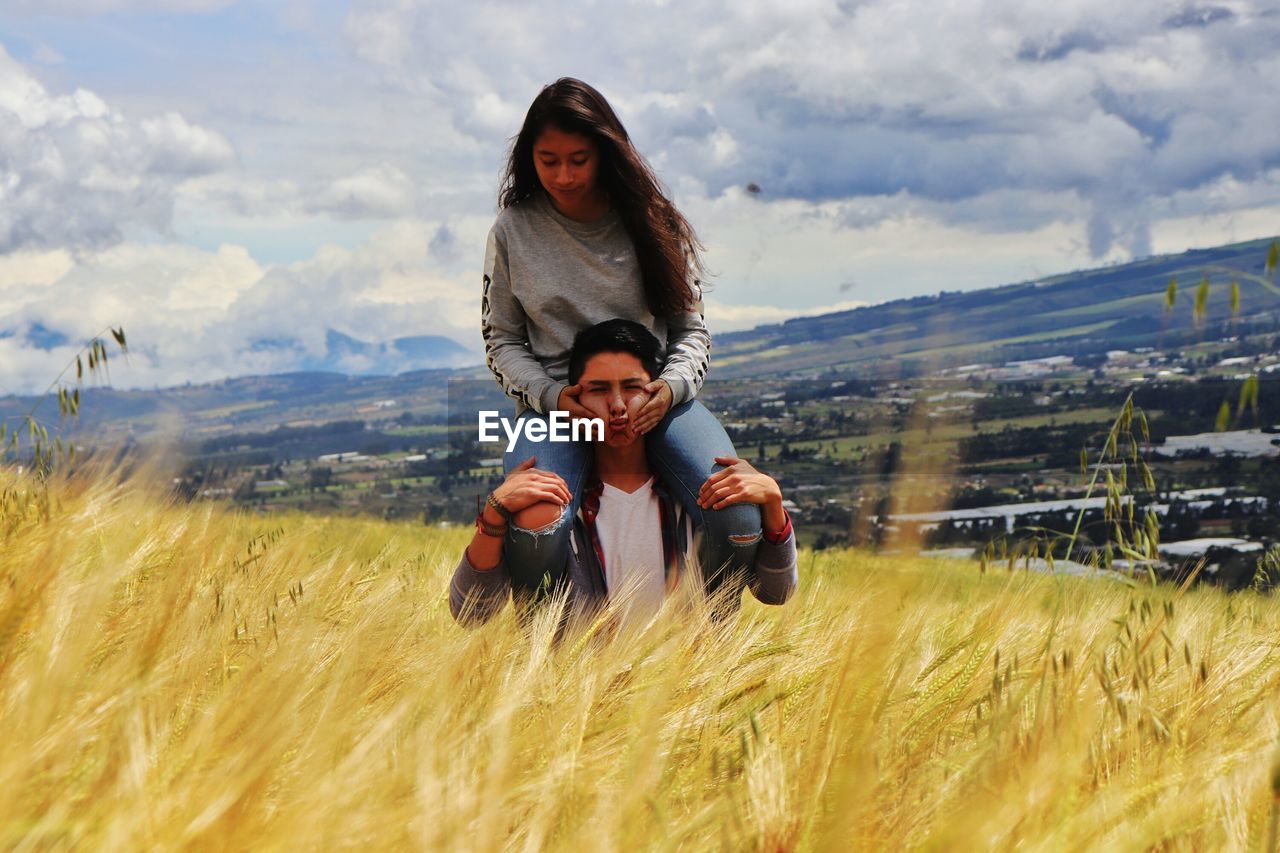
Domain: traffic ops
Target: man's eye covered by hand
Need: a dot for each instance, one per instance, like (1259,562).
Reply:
(608,401)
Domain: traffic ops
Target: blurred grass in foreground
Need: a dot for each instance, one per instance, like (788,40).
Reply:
(188,676)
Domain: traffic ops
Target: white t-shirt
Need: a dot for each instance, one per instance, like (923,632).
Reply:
(629,528)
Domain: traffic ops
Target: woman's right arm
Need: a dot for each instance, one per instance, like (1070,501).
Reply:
(503,324)
(688,352)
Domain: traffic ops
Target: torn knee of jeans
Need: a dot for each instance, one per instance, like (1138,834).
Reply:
(539,519)
(744,538)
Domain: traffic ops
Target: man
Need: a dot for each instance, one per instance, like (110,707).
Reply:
(630,540)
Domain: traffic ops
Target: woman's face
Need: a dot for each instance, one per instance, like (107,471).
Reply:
(566,164)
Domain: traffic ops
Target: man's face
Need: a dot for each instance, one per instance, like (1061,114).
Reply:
(613,390)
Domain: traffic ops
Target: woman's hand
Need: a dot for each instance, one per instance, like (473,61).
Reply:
(568,402)
(737,483)
(652,413)
(526,486)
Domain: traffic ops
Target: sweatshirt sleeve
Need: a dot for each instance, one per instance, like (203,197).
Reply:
(775,574)
(503,324)
(475,597)
(688,353)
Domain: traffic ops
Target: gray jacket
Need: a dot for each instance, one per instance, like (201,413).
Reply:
(477,596)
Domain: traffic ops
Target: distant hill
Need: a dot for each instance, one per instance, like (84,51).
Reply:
(245,403)
(1116,307)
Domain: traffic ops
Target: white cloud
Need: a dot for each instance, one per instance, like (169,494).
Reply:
(376,191)
(33,269)
(198,315)
(177,147)
(76,173)
(169,288)
(723,317)
(1118,107)
(380,191)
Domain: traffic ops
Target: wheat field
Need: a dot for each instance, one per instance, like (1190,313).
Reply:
(187,676)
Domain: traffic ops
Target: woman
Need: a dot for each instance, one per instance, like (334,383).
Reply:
(586,234)
(630,540)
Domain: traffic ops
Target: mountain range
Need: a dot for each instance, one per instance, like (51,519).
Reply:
(1117,307)
(1124,306)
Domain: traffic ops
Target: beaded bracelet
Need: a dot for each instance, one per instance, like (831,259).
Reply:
(487,529)
(497,505)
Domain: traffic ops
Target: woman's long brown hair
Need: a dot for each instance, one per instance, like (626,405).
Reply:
(666,246)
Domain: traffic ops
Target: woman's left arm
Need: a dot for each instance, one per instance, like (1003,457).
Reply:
(688,356)
(688,353)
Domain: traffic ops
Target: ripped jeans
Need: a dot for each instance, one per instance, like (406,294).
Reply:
(682,451)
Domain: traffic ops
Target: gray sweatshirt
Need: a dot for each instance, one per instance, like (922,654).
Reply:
(548,277)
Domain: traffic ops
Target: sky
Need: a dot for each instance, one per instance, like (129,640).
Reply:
(229,181)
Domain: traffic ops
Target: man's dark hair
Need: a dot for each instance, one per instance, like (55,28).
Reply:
(615,336)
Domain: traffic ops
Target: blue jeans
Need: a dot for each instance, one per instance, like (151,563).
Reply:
(682,451)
